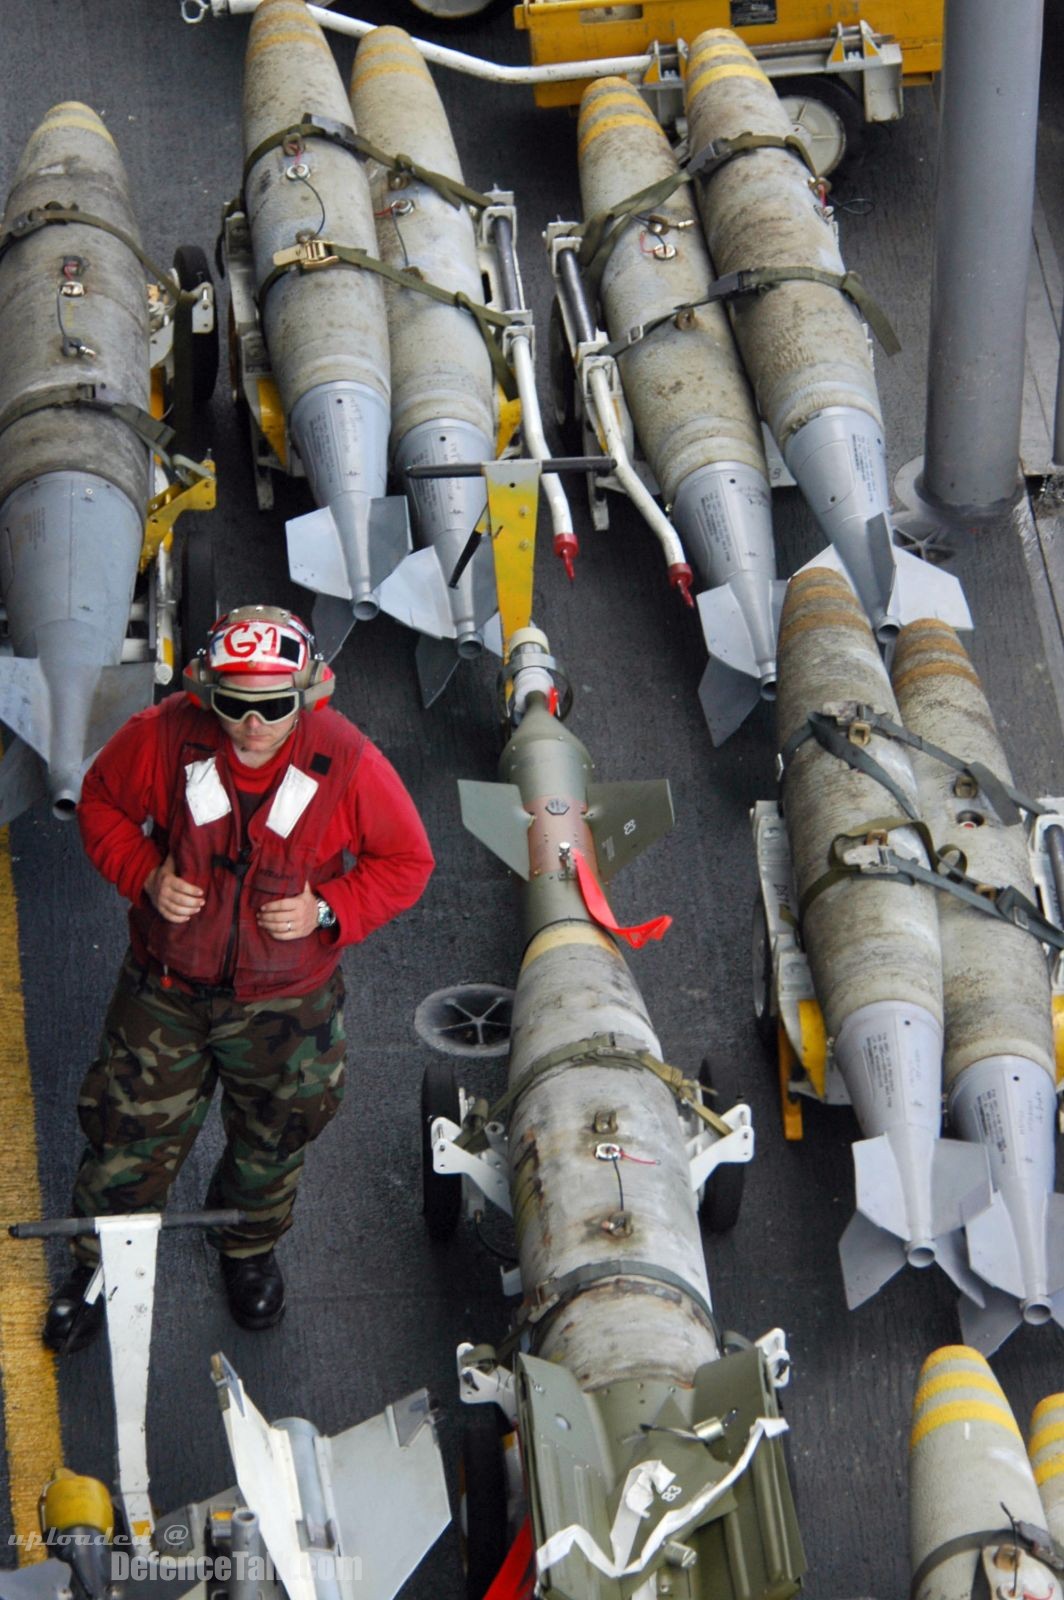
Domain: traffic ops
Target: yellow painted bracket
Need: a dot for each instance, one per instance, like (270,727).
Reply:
(790,1105)
(513,503)
(165,508)
(271,418)
(813,1043)
(1058,1035)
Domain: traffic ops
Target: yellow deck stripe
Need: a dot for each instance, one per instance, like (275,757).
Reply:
(715,74)
(31,1398)
(956,1380)
(964,1411)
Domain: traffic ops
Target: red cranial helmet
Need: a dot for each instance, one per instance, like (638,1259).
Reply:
(260,639)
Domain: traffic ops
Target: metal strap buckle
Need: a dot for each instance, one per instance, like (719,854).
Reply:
(308,255)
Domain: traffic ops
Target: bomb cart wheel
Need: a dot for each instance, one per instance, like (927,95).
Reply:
(484,1499)
(441,1195)
(828,117)
(761,975)
(198,607)
(722,1197)
(190,264)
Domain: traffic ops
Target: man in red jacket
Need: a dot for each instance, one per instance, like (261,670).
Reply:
(240,907)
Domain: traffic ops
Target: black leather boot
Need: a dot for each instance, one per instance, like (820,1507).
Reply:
(255,1289)
(70,1324)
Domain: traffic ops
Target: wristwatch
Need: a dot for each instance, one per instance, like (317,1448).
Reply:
(326,915)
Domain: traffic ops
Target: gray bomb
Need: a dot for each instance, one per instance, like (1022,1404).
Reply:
(74,478)
(442,381)
(974,1501)
(324,322)
(625,1363)
(689,397)
(999,1072)
(873,946)
(803,343)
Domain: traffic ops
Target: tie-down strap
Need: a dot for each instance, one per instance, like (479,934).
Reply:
(316,255)
(158,436)
(1035,1541)
(599,1050)
(600,232)
(53,213)
(847,731)
(311,126)
(759,280)
(864,851)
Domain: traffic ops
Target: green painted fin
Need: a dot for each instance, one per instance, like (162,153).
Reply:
(494,814)
(625,818)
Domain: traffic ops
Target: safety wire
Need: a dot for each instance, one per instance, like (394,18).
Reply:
(397,209)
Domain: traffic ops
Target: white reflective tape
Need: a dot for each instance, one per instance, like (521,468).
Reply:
(673,1524)
(291,800)
(204,791)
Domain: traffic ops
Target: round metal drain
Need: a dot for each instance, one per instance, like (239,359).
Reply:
(469,1019)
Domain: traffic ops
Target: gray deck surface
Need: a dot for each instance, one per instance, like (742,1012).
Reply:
(375,1310)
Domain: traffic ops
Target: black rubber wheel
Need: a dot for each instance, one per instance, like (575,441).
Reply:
(198,608)
(830,116)
(761,976)
(417,17)
(191,266)
(484,1499)
(722,1197)
(441,1196)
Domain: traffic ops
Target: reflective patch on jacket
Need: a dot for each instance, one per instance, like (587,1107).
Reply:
(291,800)
(205,793)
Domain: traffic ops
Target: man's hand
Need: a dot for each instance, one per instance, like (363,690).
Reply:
(173,898)
(293,918)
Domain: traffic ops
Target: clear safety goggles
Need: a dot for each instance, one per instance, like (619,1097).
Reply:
(235,705)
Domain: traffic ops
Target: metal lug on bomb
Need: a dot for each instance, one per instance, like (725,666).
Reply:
(801,337)
(101,601)
(648,1445)
(870,936)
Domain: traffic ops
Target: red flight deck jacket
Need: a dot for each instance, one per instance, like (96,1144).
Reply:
(336,793)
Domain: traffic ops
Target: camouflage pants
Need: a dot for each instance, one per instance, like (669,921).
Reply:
(145,1098)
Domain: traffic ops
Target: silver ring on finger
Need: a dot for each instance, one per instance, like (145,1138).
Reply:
(289,928)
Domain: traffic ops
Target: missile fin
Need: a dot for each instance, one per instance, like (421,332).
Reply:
(485,599)
(725,629)
(625,818)
(882,554)
(332,620)
(880,1194)
(494,814)
(436,660)
(415,594)
(23,780)
(727,697)
(24,702)
(960,1184)
(493,634)
(922,590)
(993,1248)
(950,1255)
(987,1327)
(870,1258)
(389,535)
(315,554)
(120,692)
(1055,1244)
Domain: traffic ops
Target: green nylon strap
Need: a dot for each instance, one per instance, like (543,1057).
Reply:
(600,232)
(149,430)
(758,280)
(408,278)
(835,739)
(342,134)
(841,870)
(1006,904)
(47,216)
(592,1052)
(1034,1541)
(1006,800)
